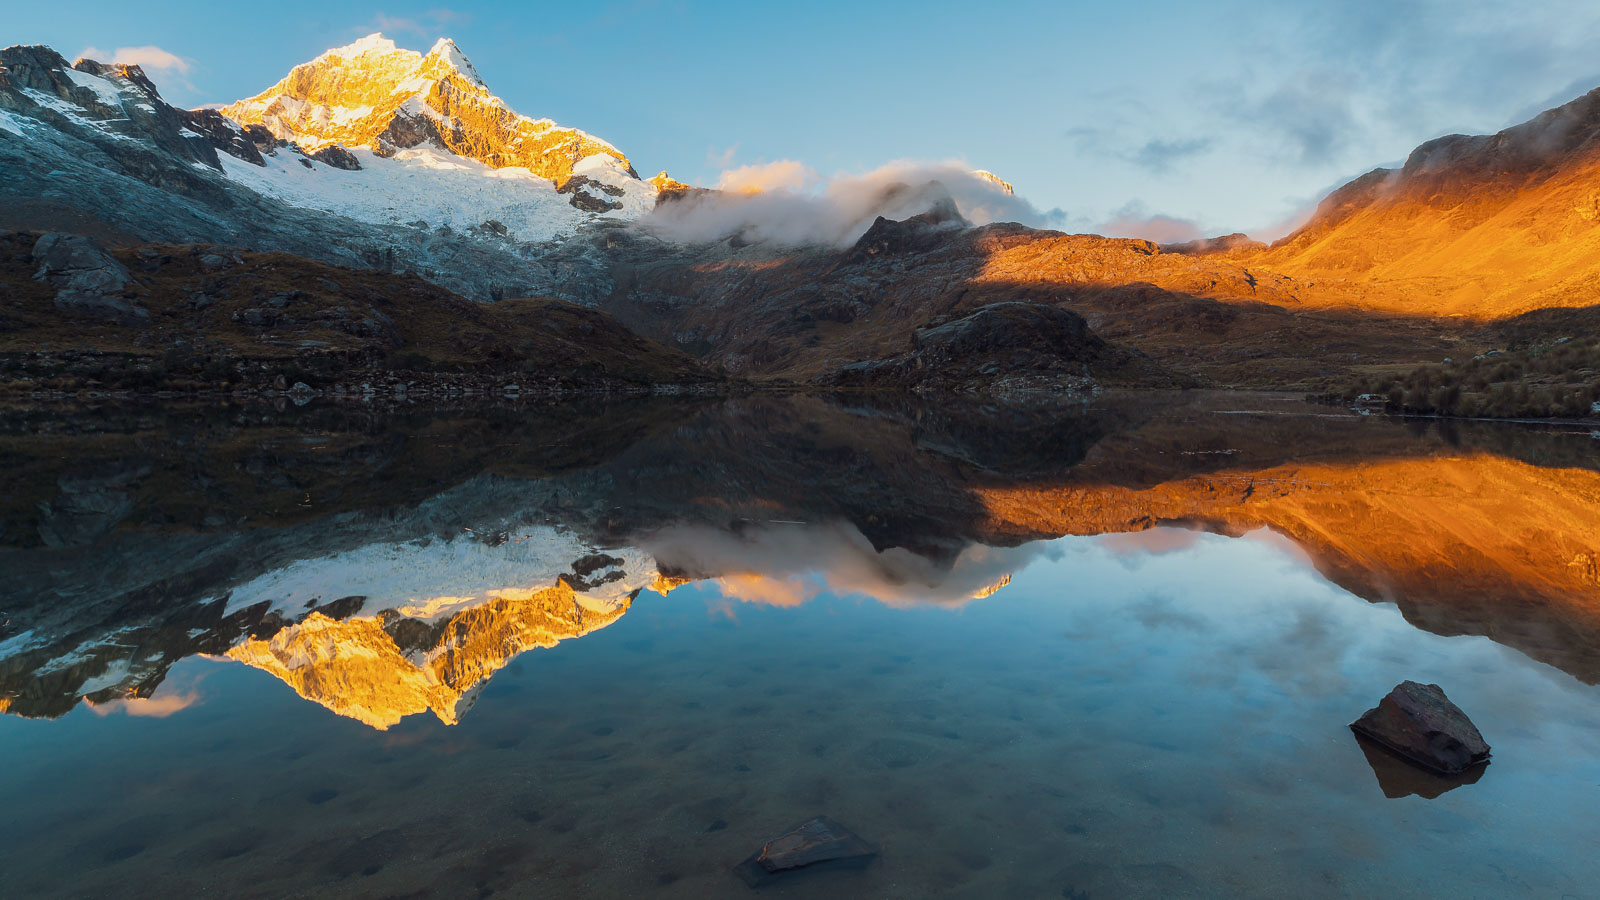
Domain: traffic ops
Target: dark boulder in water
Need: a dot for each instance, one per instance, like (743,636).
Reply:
(820,840)
(1420,724)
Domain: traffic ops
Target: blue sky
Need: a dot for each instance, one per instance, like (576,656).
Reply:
(1222,115)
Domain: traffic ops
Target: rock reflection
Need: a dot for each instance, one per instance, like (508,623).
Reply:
(388,565)
(1398,778)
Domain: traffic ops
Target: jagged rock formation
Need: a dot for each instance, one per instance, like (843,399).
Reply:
(118,105)
(669,188)
(665,182)
(441,148)
(373,94)
(104,155)
(94,149)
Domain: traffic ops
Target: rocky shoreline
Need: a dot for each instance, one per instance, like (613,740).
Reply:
(376,385)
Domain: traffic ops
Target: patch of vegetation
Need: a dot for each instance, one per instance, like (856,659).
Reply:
(1557,378)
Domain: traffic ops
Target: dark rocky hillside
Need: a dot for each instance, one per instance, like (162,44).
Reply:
(75,316)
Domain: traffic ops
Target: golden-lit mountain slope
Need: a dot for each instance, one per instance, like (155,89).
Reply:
(1487,225)
(373,94)
(1474,544)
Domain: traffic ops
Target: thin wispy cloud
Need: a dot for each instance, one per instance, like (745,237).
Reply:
(1120,139)
(721,159)
(148,57)
(1136,221)
(1160,155)
(783,175)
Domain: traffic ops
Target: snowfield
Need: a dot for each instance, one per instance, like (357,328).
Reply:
(440,188)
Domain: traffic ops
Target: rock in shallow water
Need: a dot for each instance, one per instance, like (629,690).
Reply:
(1419,723)
(820,840)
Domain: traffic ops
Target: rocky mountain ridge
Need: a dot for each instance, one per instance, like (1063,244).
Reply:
(103,155)
(1471,225)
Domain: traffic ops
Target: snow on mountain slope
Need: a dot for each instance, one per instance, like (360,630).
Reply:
(426,579)
(440,188)
(373,94)
(432,145)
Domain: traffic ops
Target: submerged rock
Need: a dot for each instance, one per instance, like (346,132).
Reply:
(1420,724)
(820,840)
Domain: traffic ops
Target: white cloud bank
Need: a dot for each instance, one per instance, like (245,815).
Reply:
(789,203)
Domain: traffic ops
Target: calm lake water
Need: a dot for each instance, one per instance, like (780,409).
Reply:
(610,649)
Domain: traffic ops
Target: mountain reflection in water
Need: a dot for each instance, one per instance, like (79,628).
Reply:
(609,649)
(389,564)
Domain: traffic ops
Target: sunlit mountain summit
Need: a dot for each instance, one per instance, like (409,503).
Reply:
(374,94)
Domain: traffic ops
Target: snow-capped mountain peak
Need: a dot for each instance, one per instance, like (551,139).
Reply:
(374,94)
(431,144)
(445,53)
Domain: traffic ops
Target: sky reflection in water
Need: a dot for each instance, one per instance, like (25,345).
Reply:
(1165,714)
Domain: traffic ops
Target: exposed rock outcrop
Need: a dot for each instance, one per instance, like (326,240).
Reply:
(1005,348)
(88,279)
(337,156)
(589,194)
(666,184)
(117,101)
(1418,722)
(228,136)
(916,234)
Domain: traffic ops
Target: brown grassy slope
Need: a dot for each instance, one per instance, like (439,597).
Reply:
(206,318)
(804,314)
(1475,544)
(1487,226)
